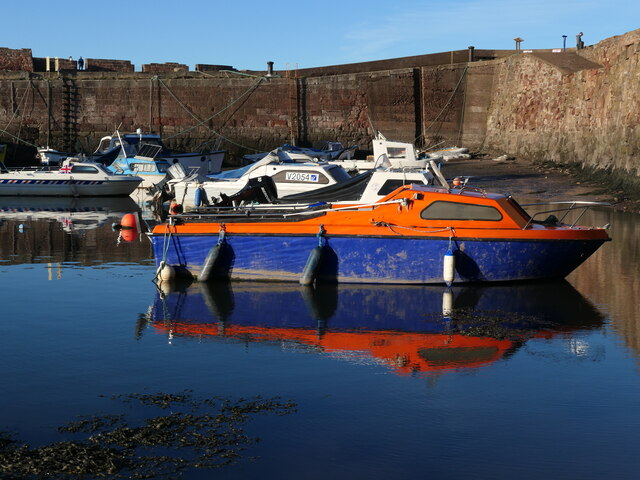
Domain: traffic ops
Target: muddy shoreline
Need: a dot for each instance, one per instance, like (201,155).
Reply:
(527,181)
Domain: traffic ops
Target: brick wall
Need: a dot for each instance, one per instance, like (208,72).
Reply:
(104,65)
(16,60)
(166,67)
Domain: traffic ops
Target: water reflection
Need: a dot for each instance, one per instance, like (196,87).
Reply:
(409,328)
(65,229)
(611,276)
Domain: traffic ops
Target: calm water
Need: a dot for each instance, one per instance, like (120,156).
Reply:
(522,381)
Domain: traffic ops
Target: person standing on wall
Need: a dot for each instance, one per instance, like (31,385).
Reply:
(80,64)
(579,42)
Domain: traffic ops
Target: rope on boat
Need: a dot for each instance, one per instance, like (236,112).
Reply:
(391,227)
(166,241)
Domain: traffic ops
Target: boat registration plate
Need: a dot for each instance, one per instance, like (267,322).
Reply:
(302,177)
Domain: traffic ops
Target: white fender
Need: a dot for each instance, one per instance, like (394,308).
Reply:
(449,269)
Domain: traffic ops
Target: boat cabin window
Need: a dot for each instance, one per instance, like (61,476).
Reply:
(84,169)
(397,152)
(144,167)
(441,210)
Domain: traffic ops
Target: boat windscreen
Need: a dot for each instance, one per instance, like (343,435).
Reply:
(339,173)
(231,174)
(239,172)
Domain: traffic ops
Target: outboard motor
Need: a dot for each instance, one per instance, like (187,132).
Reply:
(259,189)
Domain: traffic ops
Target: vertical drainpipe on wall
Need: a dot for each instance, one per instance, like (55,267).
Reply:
(159,103)
(150,104)
(48,113)
(423,131)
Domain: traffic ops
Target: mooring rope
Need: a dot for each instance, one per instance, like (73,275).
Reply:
(166,241)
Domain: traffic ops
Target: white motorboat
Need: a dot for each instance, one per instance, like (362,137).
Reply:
(329,151)
(150,145)
(73,179)
(288,177)
(370,186)
(389,154)
(386,153)
(50,157)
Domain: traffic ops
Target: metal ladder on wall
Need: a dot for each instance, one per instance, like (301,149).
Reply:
(69,113)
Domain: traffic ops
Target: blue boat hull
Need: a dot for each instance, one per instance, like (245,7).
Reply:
(394,260)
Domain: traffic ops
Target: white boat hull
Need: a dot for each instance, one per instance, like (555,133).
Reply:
(55,183)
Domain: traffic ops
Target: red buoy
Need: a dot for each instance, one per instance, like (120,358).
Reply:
(130,220)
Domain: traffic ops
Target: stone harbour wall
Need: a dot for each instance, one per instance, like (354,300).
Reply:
(574,107)
(587,115)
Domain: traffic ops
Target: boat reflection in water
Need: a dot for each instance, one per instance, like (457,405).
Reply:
(72,213)
(66,229)
(409,328)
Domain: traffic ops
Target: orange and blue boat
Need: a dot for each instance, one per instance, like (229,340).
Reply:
(414,235)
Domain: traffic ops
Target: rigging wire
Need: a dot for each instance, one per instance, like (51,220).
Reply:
(202,122)
(446,106)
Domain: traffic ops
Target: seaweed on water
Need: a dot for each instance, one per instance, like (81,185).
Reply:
(197,433)
(496,324)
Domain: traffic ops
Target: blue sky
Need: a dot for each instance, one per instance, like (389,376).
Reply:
(246,34)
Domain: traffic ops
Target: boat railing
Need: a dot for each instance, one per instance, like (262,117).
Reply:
(30,168)
(564,208)
(280,210)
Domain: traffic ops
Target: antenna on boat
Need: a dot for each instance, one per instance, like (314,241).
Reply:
(124,152)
